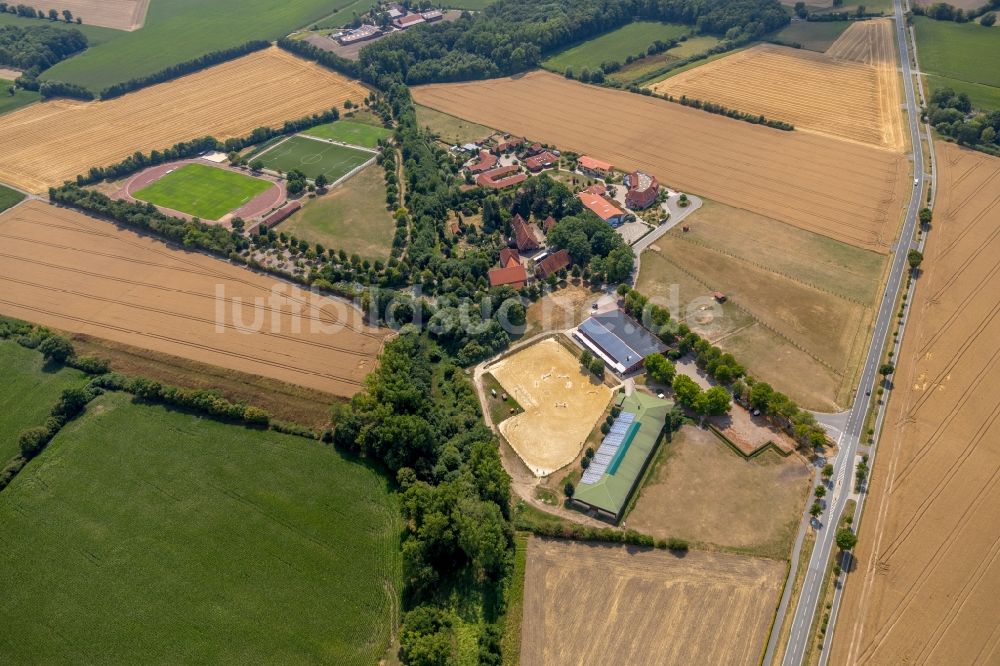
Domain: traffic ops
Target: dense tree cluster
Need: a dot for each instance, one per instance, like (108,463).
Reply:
(943,11)
(420,418)
(952,115)
(183,68)
(38,47)
(513,35)
(592,243)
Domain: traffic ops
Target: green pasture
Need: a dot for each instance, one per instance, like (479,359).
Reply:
(313,157)
(9,197)
(144,535)
(812,35)
(29,390)
(353,132)
(616,45)
(963,56)
(20,98)
(202,191)
(646,66)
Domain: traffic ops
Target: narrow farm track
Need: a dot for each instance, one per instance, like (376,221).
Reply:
(69,271)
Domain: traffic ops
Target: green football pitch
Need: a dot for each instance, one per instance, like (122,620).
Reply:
(352,132)
(202,191)
(313,157)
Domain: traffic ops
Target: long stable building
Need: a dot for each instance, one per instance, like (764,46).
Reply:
(619,463)
(621,341)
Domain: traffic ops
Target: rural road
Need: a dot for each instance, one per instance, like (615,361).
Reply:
(851,434)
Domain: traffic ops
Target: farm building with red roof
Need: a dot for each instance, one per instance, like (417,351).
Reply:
(514,276)
(543,160)
(642,190)
(509,257)
(603,208)
(501,177)
(553,263)
(594,167)
(527,236)
(487,160)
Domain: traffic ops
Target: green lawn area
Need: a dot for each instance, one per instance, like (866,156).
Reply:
(616,45)
(474,5)
(29,389)
(649,64)
(203,191)
(179,30)
(812,35)
(344,14)
(20,98)
(9,197)
(313,158)
(352,217)
(144,535)
(963,56)
(451,129)
(353,132)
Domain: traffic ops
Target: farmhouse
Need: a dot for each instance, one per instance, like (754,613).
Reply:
(642,190)
(432,15)
(548,224)
(603,208)
(360,34)
(621,341)
(487,160)
(621,459)
(509,257)
(553,263)
(594,167)
(527,236)
(507,144)
(501,177)
(514,276)
(597,188)
(408,21)
(543,160)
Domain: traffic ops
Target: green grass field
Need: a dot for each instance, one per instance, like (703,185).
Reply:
(29,389)
(614,46)
(313,158)
(449,128)
(9,197)
(179,30)
(641,68)
(203,191)
(963,56)
(144,535)
(352,217)
(351,131)
(690,65)
(20,98)
(344,14)
(812,35)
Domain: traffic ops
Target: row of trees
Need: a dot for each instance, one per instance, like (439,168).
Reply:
(25,11)
(719,109)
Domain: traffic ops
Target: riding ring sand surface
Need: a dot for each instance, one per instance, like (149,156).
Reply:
(68,271)
(118,14)
(842,189)
(928,557)
(598,603)
(561,404)
(842,98)
(45,144)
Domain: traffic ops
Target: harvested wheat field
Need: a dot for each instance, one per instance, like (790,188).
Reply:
(46,144)
(813,91)
(75,273)
(928,559)
(841,189)
(592,604)
(561,403)
(118,14)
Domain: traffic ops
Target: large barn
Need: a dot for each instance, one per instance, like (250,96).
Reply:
(621,341)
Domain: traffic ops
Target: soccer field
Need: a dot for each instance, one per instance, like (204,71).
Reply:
(313,157)
(352,132)
(203,191)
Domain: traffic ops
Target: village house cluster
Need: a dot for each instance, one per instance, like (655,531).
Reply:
(398,18)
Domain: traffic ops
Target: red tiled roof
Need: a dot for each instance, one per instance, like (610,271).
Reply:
(526,236)
(553,263)
(281,214)
(601,207)
(540,161)
(514,276)
(643,189)
(548,223)
(501,177)
(509,257)
(408,20)
(487,160)
(588,162)
(597,188)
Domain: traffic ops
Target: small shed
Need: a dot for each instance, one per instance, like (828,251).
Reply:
(719,296)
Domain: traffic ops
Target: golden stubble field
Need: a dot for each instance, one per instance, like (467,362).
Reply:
(68,271)
(845,190)
(591,604)
(816,92)
(928,558)
(561,404)
(118,14)
(45,144)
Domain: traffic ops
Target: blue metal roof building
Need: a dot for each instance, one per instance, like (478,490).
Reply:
(621,341)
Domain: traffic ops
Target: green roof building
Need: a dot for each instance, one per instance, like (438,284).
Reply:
(620,461)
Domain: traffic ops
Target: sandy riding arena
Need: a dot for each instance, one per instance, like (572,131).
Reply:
(561,404)
(45,144)
(593,604)
(72,272)
(118,14)
(928,559)
(841,189)
(814,92)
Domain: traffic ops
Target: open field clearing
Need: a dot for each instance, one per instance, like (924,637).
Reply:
(9,197)
(561,404)
(702,491)
(449,128)
(242,545)
(585,602)
(350,131)
(351,217)
(69,271)
(847,191)
(928,571)
(644,67)
(314,157)
(179,30)
(118,14)
(203,191)
(21,98)
(961,56)
(812,91)
(28,392)
(48,143)
(614,46)
(812,35)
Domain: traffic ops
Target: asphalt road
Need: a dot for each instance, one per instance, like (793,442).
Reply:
(851,434)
